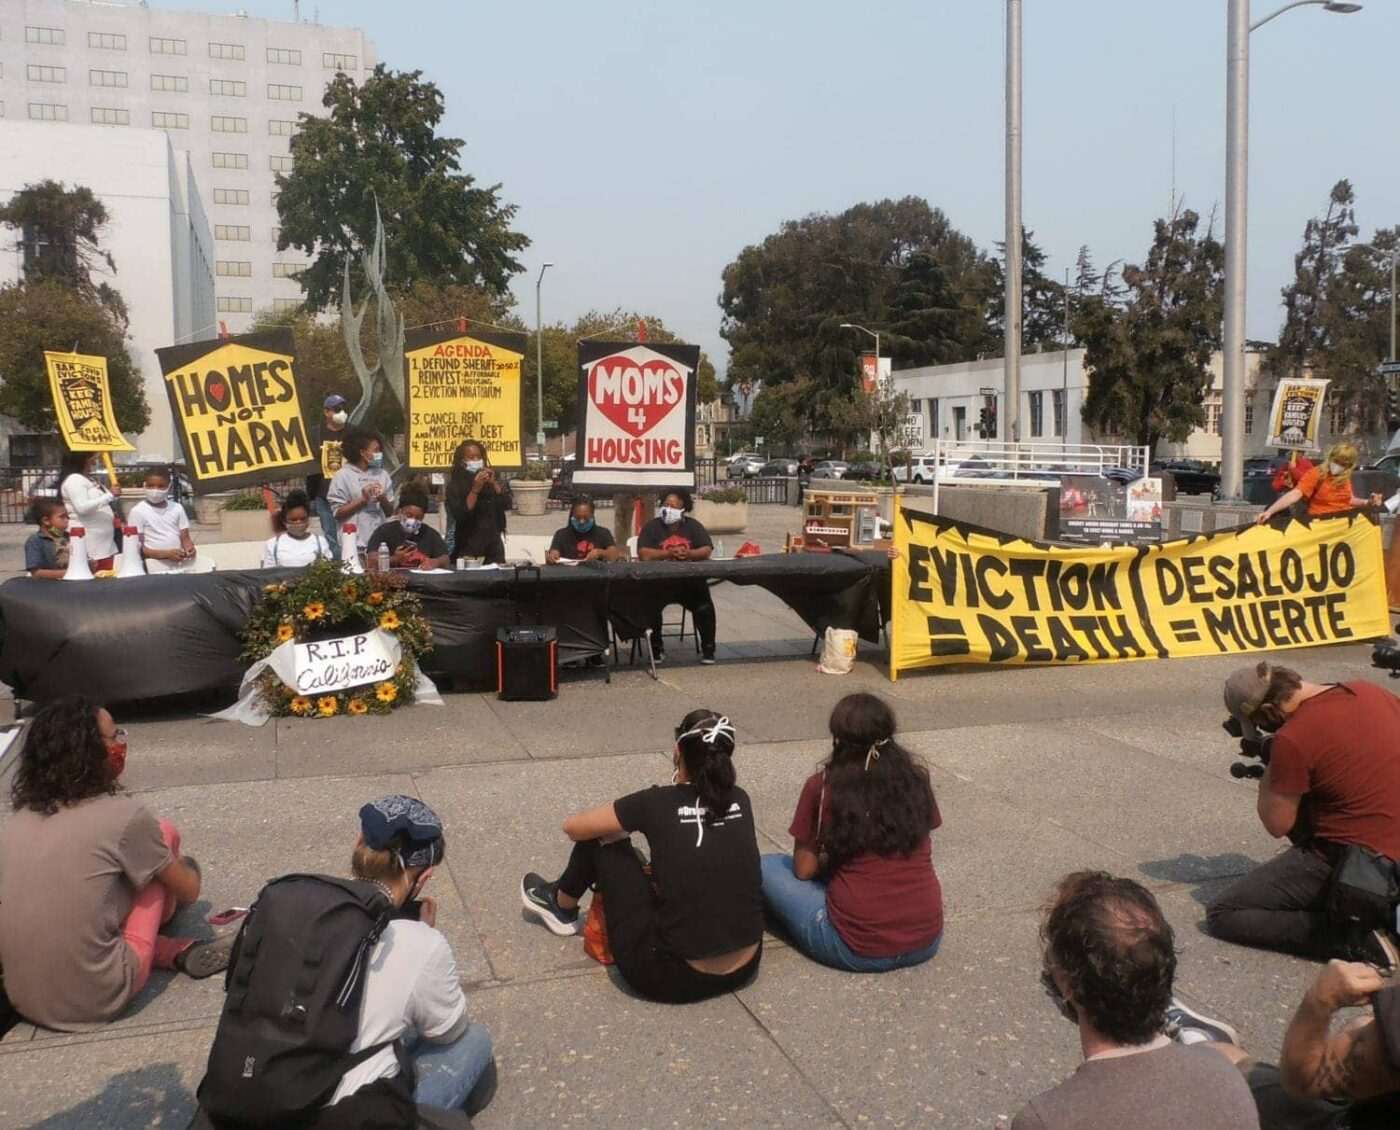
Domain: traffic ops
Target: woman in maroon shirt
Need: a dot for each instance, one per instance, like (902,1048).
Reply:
(859,891)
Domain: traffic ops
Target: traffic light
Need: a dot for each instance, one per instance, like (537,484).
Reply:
(1392,407)
(987,422)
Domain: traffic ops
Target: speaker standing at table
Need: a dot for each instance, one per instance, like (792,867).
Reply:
(361,491)
(675,536)
(582,539)
(477,503)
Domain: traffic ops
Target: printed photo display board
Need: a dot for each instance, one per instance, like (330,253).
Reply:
(636,415)
(463,385)
(235,403)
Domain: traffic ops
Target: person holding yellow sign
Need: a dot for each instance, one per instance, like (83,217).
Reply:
(327,442)
(1327,488)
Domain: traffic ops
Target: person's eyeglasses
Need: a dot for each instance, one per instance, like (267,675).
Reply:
(118,735)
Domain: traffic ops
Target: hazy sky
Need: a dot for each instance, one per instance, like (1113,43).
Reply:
(646,144)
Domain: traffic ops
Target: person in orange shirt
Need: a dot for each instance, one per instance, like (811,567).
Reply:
(1291,473)
(1327,487)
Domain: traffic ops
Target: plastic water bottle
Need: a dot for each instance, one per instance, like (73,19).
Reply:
(719,547)
(383,558)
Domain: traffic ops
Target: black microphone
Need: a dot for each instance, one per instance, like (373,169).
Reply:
(1242,772)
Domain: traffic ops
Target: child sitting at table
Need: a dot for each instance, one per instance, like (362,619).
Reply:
(46,551)
(163,526)
(412,543)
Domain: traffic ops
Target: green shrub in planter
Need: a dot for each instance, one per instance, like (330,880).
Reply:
(534,473)
(245,502)
(720,494)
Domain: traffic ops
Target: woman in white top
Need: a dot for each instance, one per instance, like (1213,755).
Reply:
(361,491)
(89,505)
(295,545)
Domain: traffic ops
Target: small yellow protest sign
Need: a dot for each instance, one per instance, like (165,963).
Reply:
(82,402)
(968,595)
(236,404)
(463,384)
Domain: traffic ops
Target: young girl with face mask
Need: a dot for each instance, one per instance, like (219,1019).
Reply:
(1327,487)
(477,503)
(295,545)
(362,491)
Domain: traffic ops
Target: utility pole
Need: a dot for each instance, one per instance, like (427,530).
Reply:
(1064,380)
(1012,351)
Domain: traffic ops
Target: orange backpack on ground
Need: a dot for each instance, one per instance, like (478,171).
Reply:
(595,932)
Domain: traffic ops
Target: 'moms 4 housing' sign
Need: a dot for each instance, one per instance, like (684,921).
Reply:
(968,595)
(236,404)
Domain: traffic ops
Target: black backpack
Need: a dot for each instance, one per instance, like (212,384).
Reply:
(292,1007)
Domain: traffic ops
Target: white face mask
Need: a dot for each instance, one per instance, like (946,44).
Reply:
(1335,468)
(474,464)
(672,515)
(338,419)
(157,497)
(411,525)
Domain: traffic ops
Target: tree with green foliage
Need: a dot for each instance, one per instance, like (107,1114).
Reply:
(1336,323)
(59,305)
(378,147)
(1149,352)
(1042,298)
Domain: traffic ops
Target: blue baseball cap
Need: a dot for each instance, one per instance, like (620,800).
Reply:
(335,400)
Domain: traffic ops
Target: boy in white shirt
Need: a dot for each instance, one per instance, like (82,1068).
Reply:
(163,527)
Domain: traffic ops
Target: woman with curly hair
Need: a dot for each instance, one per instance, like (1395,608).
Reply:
(859,891)
(89,877)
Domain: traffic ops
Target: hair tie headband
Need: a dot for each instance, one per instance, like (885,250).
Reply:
(711,731)
(873,753)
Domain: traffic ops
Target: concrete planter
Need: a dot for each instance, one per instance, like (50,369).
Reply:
(722,517)
(208,507)
(530,497)
(245,525)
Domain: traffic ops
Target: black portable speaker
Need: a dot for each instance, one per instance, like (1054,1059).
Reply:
(527,664)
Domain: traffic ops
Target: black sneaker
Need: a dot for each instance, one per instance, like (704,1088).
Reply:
(204,959)
(1186,1026)
(539,898)
(1378,948)
(707,659)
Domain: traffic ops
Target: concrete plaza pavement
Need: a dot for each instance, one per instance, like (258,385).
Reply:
(1038,772)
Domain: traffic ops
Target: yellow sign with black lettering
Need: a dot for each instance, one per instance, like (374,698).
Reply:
(82,402)
(463,385)
(235,403)
(967,595)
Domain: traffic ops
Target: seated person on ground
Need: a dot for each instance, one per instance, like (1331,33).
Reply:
(295,544)
(88,876)
(1347,1080)
(1333,780)
(1109,963)
(412,543)
(163,527)
(693,928)
(859,891)
(46,552)
(583,539)
(675,536)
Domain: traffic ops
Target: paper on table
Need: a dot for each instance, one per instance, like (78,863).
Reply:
(432,570)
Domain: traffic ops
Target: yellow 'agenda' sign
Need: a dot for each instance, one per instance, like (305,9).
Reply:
(967,595)
(82,402)
(236,405)
(463,385)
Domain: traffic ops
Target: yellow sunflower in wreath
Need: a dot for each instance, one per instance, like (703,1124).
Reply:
(375,598)
(351,591)
(357,706)
(313,611)
(301,705)
(386,692)
(285,632)
(390,620)
(327,705)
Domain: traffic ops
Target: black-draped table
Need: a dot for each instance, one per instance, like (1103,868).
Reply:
(153,637)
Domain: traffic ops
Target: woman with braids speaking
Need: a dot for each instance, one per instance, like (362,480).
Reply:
(693,928)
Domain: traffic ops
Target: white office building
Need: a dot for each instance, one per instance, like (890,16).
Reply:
(226,89)
(157,233)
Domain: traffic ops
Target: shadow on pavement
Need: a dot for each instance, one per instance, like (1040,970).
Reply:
(147,1096)
(1204,871)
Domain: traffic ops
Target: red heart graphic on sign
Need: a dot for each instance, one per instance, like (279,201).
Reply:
(635,397)
(217,391)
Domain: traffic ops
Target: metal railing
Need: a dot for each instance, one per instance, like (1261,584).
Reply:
(994,463)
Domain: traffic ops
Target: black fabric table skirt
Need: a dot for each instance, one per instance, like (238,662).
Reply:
(154,637)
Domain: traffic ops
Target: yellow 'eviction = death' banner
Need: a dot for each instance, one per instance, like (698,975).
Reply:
(463,384)
(235,403)
(963,594)
(82,402)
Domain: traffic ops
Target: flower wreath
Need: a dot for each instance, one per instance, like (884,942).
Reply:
(318,604)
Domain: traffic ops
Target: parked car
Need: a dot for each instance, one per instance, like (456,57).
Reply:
(869,471)
(742,455)
(1191,475)
(920,468)
(778,469)
(830,469)
(745,466)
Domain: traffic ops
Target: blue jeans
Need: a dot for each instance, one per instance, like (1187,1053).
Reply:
(329,526)
(800,905)
(446,1073)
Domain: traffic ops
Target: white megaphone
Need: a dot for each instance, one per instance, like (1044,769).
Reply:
(78,567)
(132,564)
(349,550)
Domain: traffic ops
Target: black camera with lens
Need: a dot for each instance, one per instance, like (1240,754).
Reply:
(1257,749)
(1386,656)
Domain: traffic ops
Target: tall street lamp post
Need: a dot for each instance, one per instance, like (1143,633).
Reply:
(539,364)
(1236,227)
(1012,350)
(876,336)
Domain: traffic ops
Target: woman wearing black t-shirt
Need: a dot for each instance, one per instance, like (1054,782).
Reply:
(477,503)
(694,928)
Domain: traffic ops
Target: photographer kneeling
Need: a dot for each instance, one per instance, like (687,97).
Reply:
(1331,785)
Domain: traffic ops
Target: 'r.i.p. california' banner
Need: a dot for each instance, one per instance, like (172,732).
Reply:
(963,594)
(235,403)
